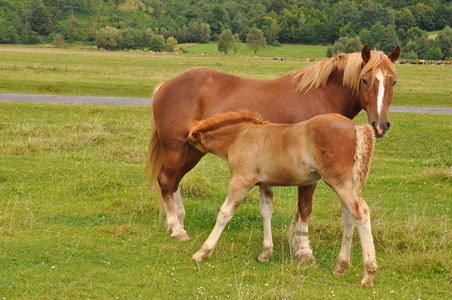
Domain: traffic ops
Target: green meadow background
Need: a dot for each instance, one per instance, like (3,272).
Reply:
(76,222)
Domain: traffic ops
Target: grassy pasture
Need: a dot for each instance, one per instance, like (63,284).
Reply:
(75,221)
(75,71)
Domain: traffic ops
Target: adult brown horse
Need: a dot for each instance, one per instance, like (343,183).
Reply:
(344,84)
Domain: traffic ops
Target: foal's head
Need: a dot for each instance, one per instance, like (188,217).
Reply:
(216,133)
(377,80)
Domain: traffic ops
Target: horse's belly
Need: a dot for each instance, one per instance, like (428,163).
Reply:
(291,177)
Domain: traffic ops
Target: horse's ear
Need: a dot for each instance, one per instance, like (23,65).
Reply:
(395,54)
(193,136)
(365,53)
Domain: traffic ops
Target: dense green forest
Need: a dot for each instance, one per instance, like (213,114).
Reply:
(155,24)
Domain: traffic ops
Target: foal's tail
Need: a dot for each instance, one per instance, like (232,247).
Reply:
(365,142)
(154,159)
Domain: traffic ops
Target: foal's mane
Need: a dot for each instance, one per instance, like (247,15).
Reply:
(351,64)
(226,119)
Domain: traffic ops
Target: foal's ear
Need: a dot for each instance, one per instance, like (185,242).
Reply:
(365,53)
(395,54)
(193,136)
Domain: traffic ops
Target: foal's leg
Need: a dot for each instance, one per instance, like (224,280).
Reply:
(266,211)
(237,191)
(360,212)
(298,234)
(343,260)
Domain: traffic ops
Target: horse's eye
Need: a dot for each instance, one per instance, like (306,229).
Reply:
(394,83)
(365,82)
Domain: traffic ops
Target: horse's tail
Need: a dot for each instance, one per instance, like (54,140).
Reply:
(154,159)
(365,142)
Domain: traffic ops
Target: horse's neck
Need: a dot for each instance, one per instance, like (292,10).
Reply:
(220,140)
(343,100)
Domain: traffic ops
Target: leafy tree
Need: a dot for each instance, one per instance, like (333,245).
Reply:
(434,53)
(237,43)
(218,19)
(412,55)
(389,40)
(373,14)
(133,38)
(404,19)
(40,20)
(345,45)
(342,14)
(444,41)
(239,22)
(28,36)
(255,40)
(72,30)
(373,37)
(171,43)
(443,16)
(198,32)
(422,46)
(225,41)
(58,40)
(157,43)
(269,27)
(109,38)
(11,36)
(147,37)
(277,5)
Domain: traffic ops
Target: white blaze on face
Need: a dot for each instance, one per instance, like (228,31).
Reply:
(381,91)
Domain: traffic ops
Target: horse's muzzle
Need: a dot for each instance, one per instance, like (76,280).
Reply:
(380,128)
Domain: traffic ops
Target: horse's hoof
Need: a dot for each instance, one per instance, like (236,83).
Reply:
(198,257)
(366,284)
(305,257)
(340,268)
(181,237)
(263,258)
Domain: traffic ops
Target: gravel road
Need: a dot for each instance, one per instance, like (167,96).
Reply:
(57,99)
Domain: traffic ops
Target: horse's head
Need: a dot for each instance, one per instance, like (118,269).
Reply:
(376,86)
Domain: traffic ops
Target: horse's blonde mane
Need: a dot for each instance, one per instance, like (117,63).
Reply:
(316,76)
(225,119)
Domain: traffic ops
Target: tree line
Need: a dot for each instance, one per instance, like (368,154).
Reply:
(380,23)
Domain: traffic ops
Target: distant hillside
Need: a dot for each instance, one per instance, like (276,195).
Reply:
(380,23)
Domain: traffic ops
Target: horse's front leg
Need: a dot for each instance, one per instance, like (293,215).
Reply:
(238,187)
(298,233)
(266,211)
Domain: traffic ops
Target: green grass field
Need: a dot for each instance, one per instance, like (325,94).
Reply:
(75,221)
(76,71)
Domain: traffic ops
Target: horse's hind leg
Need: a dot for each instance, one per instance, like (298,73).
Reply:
(192,158)
(343,260)
(298,234)
(266,211)
(360,215)
(175,164)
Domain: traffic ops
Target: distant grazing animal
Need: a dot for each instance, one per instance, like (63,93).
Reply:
(344,84)
(329,146)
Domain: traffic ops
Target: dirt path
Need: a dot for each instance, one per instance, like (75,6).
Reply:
(58,99)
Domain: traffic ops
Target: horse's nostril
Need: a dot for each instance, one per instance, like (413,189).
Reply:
(388,125)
